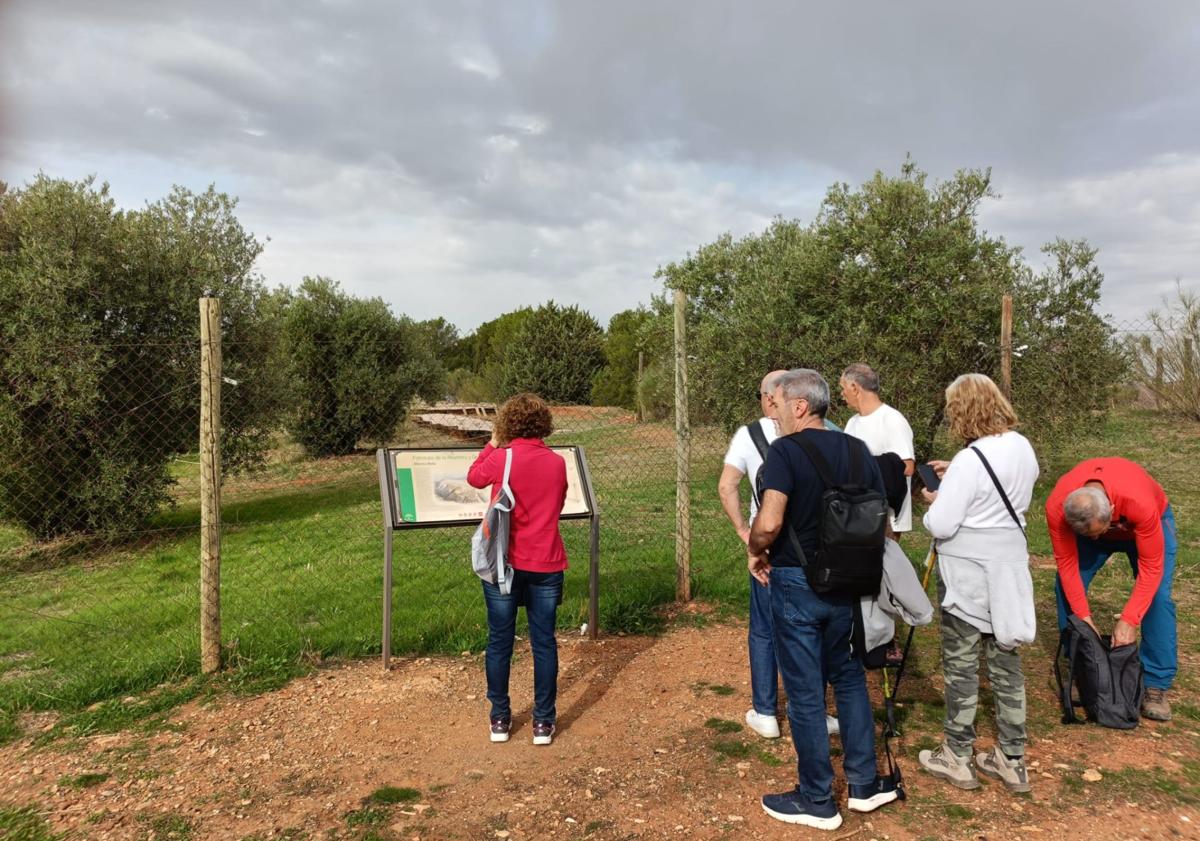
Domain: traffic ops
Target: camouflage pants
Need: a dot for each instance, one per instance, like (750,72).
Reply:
(961,642)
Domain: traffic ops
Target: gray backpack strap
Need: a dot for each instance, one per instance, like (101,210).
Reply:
(506,491)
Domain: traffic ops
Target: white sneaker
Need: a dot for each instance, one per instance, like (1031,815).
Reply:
(766,726)
(831,724)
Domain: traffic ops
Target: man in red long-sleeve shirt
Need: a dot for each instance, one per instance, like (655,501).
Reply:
(1108,505)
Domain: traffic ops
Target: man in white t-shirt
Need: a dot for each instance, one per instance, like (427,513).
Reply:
(744,460)
(881,428)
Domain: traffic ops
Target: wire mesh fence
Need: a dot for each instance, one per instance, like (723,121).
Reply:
(100,539)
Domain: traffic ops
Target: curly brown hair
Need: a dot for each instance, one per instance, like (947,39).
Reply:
(524,416)
(976,407)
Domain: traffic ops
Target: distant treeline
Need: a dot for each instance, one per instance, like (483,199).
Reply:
(99,329)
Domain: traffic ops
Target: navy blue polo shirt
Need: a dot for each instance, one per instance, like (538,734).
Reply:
(789,470)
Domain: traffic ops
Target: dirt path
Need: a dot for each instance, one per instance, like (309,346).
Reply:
(640,754)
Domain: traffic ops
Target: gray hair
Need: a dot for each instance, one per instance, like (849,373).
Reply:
(1085,506)
(863,374)
(806,384)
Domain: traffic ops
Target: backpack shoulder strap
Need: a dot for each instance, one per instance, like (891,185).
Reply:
(505,488)
(759,438)
(816,457)
(1003,496)
(1067,644)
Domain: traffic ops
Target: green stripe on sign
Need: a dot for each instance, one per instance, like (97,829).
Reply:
(408,500)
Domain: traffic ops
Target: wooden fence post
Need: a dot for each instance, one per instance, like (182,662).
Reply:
(1158,378)
(641,410)
(210,485)
(1189,363)
(1006,345)
(683,434)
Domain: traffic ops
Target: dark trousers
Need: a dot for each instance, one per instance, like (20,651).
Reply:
(540,593)
(812,647)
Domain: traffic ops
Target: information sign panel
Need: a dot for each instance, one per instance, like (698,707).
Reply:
(429,487)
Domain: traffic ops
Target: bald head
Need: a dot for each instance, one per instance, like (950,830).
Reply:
(766,389)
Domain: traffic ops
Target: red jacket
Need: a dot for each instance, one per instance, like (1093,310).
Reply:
(1138,504)
(539,483)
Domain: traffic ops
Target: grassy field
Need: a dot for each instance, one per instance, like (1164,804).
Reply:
(301,568)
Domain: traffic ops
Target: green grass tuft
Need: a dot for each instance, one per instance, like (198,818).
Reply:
(82,780)
(731,748)
(722,725)
(23,824)
(366,817)
(171,828)
(391,794)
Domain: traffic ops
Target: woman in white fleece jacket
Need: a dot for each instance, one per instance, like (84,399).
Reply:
(977,518)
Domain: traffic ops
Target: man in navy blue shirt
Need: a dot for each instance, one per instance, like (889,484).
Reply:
(812,632)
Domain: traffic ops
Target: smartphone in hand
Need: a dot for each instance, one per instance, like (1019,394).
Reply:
(929,477)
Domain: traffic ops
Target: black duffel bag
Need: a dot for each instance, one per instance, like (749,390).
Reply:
(1108,680)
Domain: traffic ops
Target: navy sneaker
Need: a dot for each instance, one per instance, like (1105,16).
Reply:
(870,797)
(543,732)
(500,728)
(794,807)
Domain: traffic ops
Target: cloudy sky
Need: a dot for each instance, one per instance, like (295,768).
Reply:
(464,158)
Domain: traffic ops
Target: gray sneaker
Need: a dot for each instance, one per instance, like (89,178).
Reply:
(952,768)
(1011,772)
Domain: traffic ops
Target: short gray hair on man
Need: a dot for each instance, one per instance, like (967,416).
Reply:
(1084,507)
(806,384)
(863,374)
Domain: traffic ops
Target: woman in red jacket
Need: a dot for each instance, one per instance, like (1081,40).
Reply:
(538,479)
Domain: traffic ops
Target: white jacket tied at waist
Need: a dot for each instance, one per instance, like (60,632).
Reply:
(901,597)
(984,567)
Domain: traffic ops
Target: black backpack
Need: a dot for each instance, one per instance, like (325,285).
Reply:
(853,524)
(1109,680)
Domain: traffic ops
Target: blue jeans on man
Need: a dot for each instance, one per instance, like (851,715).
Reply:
(1158,651)
(812,647)
(540,593)
(764,684)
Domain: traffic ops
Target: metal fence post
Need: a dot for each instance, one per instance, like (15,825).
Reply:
(210,485)
(683,435)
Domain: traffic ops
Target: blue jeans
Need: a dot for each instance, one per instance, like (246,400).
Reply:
(764,692)
(1158,651)
(541,593)
(812,646)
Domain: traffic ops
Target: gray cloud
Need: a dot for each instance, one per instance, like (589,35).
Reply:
(462,158)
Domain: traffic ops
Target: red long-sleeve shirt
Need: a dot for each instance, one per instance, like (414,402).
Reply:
(1138,504)
(539,483)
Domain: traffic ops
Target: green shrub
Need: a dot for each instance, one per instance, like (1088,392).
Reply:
(355,366)
(99,350)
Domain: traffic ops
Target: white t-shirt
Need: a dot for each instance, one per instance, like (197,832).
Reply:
(886,431)
(744,455)
(968,497)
